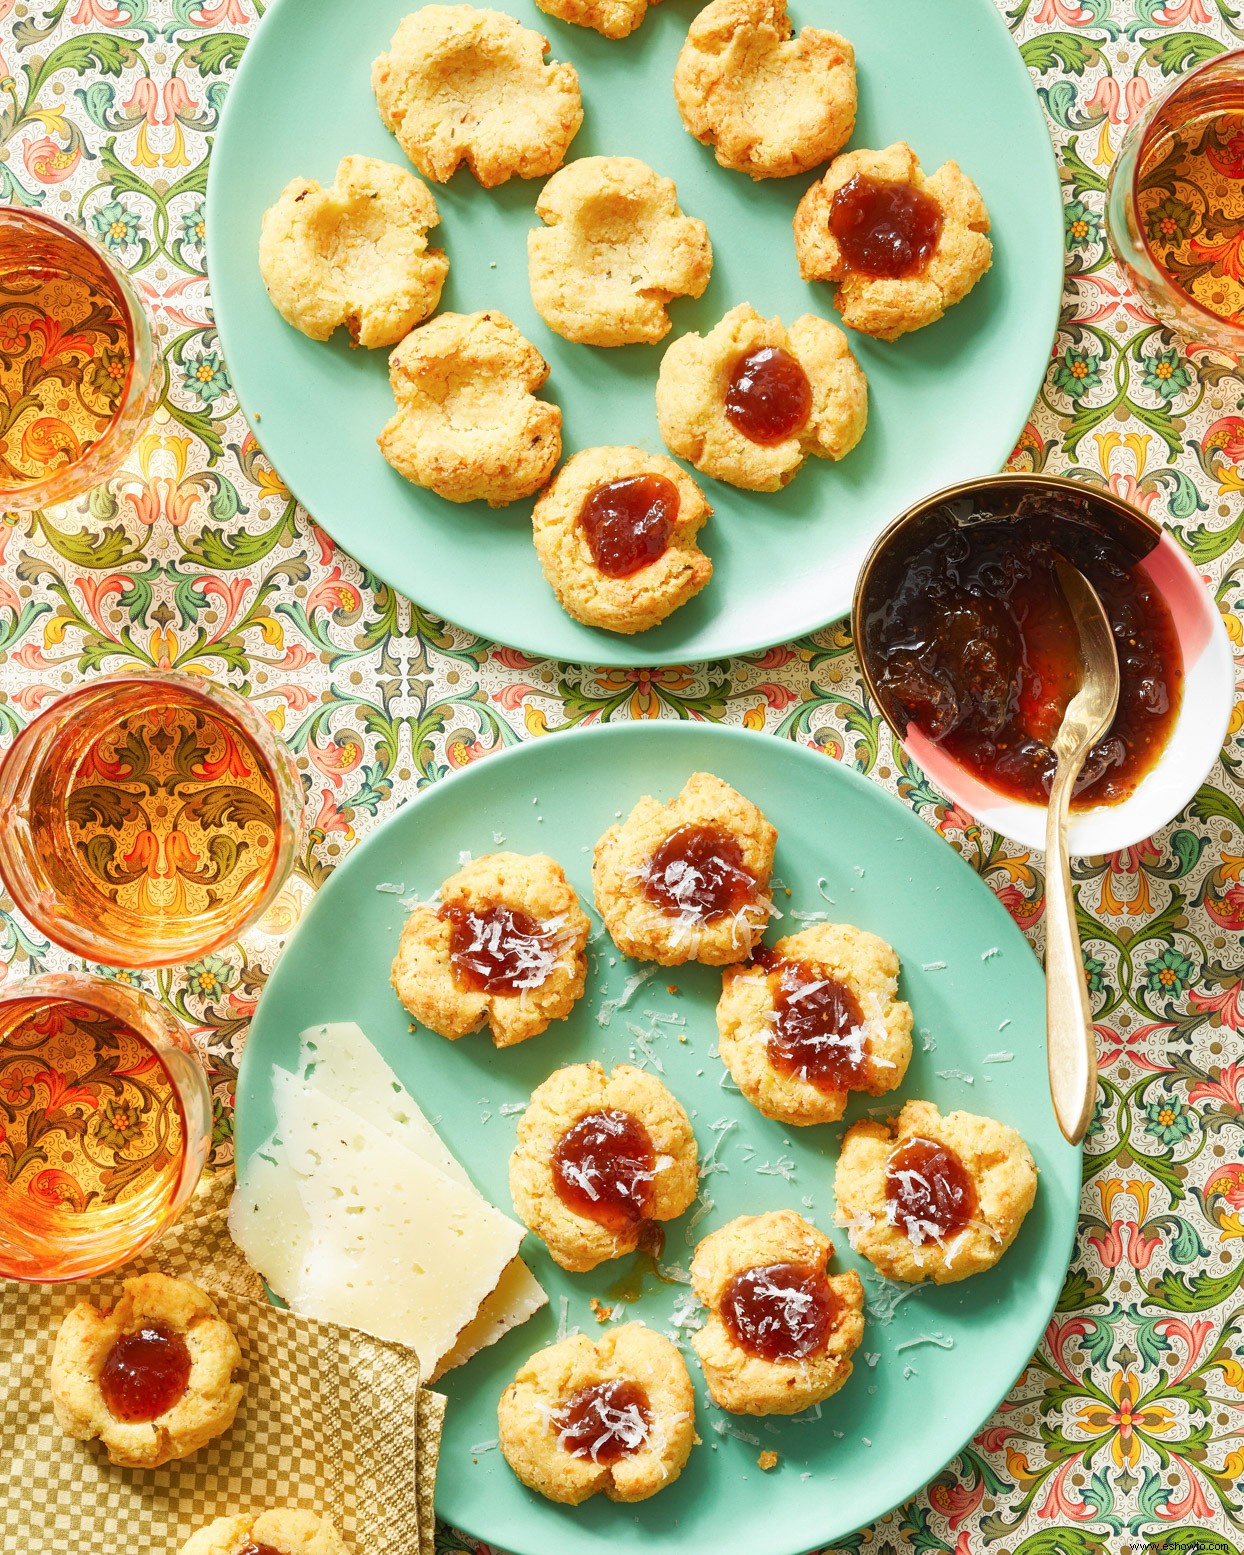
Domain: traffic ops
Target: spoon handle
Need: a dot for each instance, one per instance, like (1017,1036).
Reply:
(1068,1016)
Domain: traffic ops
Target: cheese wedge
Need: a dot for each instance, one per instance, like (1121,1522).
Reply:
(267,1219)
(340,1062)
(518,1296)
(396,1248)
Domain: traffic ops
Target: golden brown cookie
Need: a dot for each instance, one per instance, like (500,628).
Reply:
(687,880)
(781,1331)
(468,424)
(460,84)
(507,945)
(600,1157)
(890,306)
(152,1377)
(615,532)
(355,253)
(614,251)
(712,387)
(769,104)
(617,1416)
(813,1019)
(610,18)
(926,1197)
(285,1530)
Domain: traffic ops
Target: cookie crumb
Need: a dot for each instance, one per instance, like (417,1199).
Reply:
(768,1460)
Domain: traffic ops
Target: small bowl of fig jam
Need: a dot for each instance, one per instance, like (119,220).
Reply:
(969,649)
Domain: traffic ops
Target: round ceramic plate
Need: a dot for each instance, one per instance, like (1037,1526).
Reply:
(946,403)
(846,850)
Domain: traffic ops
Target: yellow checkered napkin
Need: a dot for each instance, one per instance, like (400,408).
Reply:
(331,1420)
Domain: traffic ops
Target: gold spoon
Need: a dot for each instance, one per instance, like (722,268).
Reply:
(1068,1016)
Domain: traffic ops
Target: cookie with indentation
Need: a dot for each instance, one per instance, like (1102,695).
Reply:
(1001,1184)
(459,84)
(614,251)
(469,425)
(887,307)
(817,1017)
(104,1358)
(616,1415)
(610,18)
(354,254)
(764,1278)
(606,571)
(506,947)
(687,880)
(590,1196)
(697,376)
(286,1530)
(769,103)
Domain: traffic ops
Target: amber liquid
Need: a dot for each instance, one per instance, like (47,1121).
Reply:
(155,820)
(1190,204)
(94,1138)
(66,354)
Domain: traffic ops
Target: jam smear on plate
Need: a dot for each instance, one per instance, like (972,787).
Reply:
(929,1195)
(145,1374)
(698,874)
(604,1422)
(817,1031)
(976,647)
(768,397)
(885,228)
(499,950)
(628,522)
(779,1311)
(604,1167)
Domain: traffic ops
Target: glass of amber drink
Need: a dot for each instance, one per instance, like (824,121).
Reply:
(147,819)
(76,362)
(107,1122)
(1175,204)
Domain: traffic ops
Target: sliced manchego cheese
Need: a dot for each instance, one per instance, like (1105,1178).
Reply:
(351,1149)
(340,1062)
(518,1296)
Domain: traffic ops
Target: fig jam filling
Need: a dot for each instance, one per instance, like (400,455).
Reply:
(779,1311)
(698,874)
(976,648)
(604,1422)
(929,1194)
(500,950)
(628,523)
(145,1374)
(817,1032)
(604,1168)
(768,398)
(883,228)
(251,1548)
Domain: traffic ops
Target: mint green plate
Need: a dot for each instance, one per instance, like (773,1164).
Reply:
(946,403)
(844,848)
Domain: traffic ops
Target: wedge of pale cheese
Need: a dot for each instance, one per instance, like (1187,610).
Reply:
(267,1219)
(518,1296)
(396,1247)
(340,1062)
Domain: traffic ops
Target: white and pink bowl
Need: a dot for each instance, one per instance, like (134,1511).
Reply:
(1197,737)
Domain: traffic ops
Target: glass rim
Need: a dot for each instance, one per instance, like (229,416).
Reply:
(1146,128)
(109,449)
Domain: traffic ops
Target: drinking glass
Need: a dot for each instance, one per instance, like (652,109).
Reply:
(1175,204)
(147,819)
(77,362)
(107,1120)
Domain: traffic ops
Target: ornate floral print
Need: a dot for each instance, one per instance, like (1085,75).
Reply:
(1124,1430)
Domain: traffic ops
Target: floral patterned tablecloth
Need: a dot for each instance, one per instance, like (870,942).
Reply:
(1126,1431)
